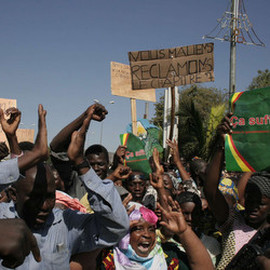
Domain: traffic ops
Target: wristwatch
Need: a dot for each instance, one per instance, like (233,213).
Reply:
(83,164)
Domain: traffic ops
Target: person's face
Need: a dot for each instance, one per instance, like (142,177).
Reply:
(35,196)
(99,164)
(136,185)
(143,238)
(180,189)
(167,182)
(187,209)
(158,212)
(257,207)
(59,183)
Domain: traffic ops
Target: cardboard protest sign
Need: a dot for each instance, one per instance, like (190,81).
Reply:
(7,103)
(121,84)
(172,67)
(22,135)
(247,149)
(135,157)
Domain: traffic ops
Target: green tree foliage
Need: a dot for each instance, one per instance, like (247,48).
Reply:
(261,80)
(196,122)
(200,110)
(157,120)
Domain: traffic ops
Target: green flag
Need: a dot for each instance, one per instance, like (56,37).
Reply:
(135,157)
(247,149)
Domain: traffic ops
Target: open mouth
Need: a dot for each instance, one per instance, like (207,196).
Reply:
(144,247)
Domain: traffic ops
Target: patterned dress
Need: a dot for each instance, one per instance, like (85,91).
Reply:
(175,259)
(235,234)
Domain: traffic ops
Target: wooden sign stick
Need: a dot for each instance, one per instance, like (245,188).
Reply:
(172,112)
(133,115)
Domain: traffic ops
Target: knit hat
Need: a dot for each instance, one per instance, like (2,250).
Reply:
(262,181)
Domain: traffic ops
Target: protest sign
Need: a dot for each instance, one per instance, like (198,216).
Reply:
(22,135)
(7,103)
(135,157)
(172,67)
(121,84)
(247,149)
(25,134)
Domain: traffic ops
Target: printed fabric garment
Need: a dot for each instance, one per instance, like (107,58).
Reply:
(175,259)
(74,204)
(68,232)
(235,234)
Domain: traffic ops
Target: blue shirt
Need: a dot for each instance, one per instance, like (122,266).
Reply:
(67,232)
(9,172)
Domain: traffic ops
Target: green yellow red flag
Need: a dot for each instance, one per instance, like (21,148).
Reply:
(247,148)
(135,157)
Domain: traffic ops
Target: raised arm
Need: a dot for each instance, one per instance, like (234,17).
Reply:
(174,221)
(10,169)
(110,217)
(61,141)
(10,127)
(176,158)
(241,186)
(75,149)
(118,157)
(156,179)
(40,150)
(213,195)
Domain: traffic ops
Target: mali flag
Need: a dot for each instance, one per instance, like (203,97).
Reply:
(247,149)
(135,157)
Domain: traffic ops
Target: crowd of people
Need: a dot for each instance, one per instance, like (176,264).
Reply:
(66,207)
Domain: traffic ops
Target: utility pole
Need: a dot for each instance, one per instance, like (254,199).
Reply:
(234,19)
(234,26)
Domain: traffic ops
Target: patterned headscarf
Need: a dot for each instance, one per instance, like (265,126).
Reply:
(126,258)
(227,186)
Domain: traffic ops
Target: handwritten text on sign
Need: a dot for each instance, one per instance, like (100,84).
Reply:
(172,67)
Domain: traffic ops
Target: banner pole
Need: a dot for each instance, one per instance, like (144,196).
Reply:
(172,112)
(133,115)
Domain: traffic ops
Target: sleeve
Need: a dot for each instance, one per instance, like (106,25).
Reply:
(109,222)
(9,171)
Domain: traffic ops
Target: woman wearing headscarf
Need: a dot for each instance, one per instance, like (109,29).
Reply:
(140,249)
(237,227)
